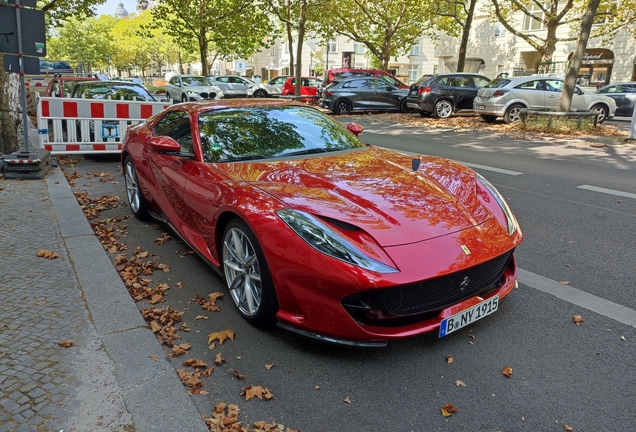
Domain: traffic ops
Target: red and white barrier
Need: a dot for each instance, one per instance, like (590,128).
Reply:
(70,126)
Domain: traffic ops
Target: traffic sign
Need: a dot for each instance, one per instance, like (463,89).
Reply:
(33,40)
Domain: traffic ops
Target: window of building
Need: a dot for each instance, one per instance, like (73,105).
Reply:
(533,21)
(500,30)
(415,49)
(332,44)
(414,72)
(436,69)
(359,48)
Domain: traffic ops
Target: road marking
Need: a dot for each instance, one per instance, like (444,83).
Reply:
(575,296)
(487,168)
(608,191)
(469,164)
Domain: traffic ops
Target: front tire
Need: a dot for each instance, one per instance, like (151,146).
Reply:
(512,113)
(602,112)
(260,94)
(136,200)
(184,98)
(489,118)
(403,107)
(342,106)
(247,275)
(443,109)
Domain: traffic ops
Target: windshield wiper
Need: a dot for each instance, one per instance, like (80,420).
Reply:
(243,158)
(312,151)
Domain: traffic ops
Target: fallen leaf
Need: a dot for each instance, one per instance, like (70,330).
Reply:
(237,374)
(507,371)
(317,388)
(219,360)
(258,391)
(623,338)
(45,253)
(565,282)
(460,383)
(67,343)
(567,428)
(448,410)
(201,317)
(221,336)
(578,319)
(269,366)
(450,359)
(154,358)
(347,400)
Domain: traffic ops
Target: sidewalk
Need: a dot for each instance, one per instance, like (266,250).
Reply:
(115,376)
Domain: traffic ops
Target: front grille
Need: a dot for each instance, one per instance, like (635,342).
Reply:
(421,301)
(437,293)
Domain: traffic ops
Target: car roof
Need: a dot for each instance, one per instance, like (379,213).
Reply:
(112,83)
(215,105)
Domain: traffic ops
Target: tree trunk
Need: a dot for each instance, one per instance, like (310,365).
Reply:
(299,48)
(290,41)
(565,101)
(548,49)
(461,58)
(203,51)
(9,111)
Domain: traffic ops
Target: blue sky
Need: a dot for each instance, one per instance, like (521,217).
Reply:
(108,8)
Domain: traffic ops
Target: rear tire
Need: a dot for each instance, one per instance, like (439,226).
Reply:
(136,200)
(602,112)
(342,106)
(443,109)
(260,94)
(512,113)
(404,108)
(247,276)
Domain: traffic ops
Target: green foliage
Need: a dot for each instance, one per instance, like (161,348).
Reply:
(58,12)
(386,27)
(232,27)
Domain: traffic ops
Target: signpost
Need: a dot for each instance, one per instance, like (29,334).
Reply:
(27,47)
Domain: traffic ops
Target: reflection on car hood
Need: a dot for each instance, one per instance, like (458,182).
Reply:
(374,189)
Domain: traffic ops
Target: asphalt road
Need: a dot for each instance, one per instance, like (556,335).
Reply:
(577,208)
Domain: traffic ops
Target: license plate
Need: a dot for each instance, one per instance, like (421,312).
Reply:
(480,107)
(468,316)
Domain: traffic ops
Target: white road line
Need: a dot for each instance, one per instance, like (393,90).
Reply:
(487,168)
(580,298)
(608,191)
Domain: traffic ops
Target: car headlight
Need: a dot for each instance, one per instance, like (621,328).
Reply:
(192,93)
(510,218)
(326,240)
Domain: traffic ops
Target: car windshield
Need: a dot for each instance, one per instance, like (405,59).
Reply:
(424,80)
(498,83)
(268,132)
(195,81)
(117,92)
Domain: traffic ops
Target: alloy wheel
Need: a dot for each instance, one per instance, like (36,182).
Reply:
(242,271)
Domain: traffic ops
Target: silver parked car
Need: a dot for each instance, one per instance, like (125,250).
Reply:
(505,97)
(191,88)
(363,94)
(624,94)
(232,85)
(273,87)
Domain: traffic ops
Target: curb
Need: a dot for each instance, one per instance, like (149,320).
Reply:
(152,391)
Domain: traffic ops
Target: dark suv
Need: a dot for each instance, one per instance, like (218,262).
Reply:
(444,94)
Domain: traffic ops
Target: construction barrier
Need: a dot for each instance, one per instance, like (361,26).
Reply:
(73,126)
(34,87)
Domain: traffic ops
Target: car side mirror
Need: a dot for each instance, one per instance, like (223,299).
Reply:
(164,144)
(355,128)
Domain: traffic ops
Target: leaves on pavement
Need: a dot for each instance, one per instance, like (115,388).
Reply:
(258,391)
(221,336)
(66,343)
(448,410)
(209,305)
(45,253)
(507,371)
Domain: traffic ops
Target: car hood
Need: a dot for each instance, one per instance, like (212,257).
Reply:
(200,89)
(374,189)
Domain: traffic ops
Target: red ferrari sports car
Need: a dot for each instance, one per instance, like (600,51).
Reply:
(318,232)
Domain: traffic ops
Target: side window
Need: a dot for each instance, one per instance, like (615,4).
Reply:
(553,85)
(532,85)
(174,80)
(460,81)
(359,83)
(176,125)
(389,79)
(55,91)
(480,81)
(612,89)
(279,80)
(444,81)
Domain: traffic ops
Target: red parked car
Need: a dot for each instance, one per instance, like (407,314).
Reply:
(61,86)
(318,232)
(308,86)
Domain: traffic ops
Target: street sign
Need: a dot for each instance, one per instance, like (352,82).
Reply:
(12,64)
(25,3)
(240,66)
(33,39)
